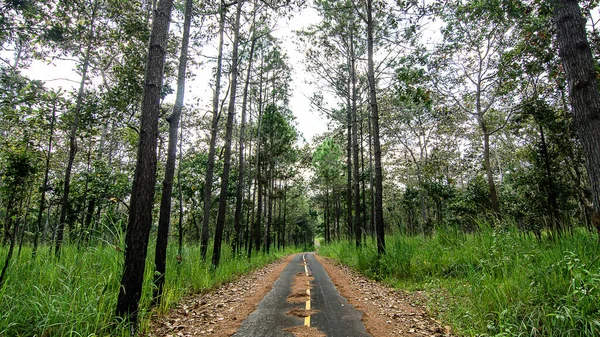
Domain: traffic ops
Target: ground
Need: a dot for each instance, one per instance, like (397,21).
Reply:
(385,311)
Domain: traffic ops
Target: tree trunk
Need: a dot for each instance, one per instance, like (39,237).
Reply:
(210,166)
(73,135)
(357,214)
(581,76)
(45,183)
(239,192)
(228,135)
(142,194)
(379,224)
(349,151)
(164,219)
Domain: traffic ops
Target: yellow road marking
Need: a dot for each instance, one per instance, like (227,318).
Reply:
(307,318)
(307,306)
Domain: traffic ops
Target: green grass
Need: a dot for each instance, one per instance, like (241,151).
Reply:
(77,295)
(494,282)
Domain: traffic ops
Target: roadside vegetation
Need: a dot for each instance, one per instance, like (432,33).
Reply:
(76,295)
(495,281)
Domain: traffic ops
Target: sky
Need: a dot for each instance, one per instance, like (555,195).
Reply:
(60,73)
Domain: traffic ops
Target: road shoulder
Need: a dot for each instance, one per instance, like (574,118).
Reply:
(386,311)
(219,313)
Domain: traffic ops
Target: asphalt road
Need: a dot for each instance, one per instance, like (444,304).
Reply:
(335,317)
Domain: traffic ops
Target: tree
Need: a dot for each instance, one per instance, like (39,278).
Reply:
(142,194)
(327,163)
(164,219)
(379,221)
(228,135)
(474,65)
(213,137)
(581,75)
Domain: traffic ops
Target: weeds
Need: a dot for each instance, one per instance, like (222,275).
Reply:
(77,295)
(495,282)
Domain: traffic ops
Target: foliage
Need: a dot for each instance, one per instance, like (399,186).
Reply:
(495,282)
(77,295)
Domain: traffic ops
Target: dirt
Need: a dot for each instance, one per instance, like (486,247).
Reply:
(301,312)
(386,311)
(220,312)
(298,292)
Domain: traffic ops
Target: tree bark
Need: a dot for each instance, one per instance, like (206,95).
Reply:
(379,224)
(210,166)
(239,193)
(581,76)
(72,136)
(164,219)
(228,136)
(357,208)
(45,183)
(142,194)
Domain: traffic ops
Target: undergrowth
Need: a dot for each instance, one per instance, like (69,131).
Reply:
(77,295)
(495,282)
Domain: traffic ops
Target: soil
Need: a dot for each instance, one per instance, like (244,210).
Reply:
(386,311)
(298,292)
(219,312)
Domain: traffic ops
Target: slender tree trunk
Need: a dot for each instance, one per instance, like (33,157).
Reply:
(239,193)
(349,150)
(24,222)
(142,194)
(357,214)
(164,219)
(228,136)
(379,224)
(73,135)
(10,236)
(550,187)
(256,225)
(371,177)
(45,183)
(362,161)
(284,214)
(210,167)
(180,196)
(581,75)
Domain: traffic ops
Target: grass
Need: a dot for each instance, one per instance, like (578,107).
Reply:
(77,295)
(496,282)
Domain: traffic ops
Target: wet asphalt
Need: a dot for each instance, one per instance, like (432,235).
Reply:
(335,317)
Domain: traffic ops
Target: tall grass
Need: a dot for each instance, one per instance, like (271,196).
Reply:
(496,282)
(77,295)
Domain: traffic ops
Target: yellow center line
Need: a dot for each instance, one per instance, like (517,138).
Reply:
(307,318)
(307,306)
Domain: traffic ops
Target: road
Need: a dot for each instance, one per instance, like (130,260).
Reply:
(305,279)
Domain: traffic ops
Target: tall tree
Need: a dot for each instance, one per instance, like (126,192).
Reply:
(228,135)
(210,167)
(75,125)
(379,222)
(239,193)
(142,193)
(581,75)
(164,219)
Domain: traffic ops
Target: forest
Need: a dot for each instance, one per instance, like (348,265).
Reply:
(461,157)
